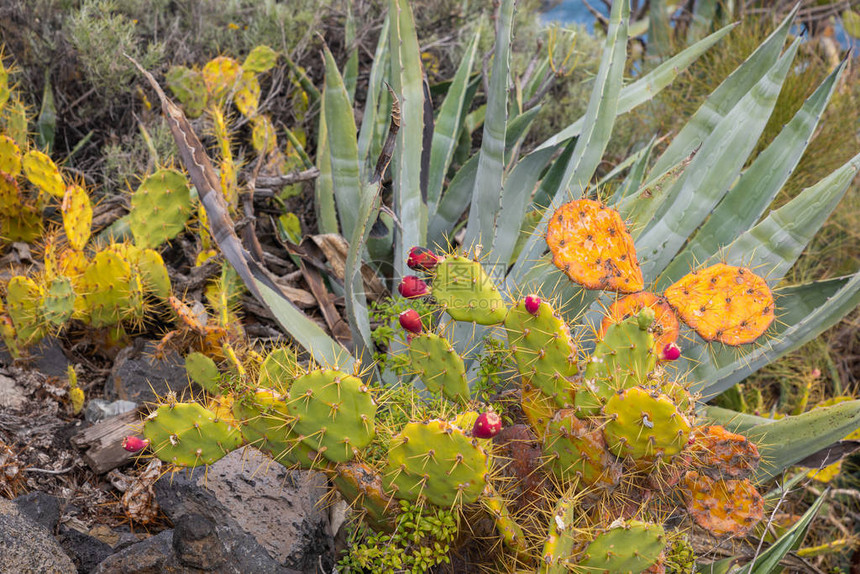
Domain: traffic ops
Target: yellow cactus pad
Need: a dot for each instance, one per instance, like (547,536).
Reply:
(590,243)
(723,507)
(77,216)
(220,76)
(723,303)
(10,156)
(665,326)
(42,172)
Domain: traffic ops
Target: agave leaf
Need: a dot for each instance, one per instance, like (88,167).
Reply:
(516,132)
(371,106)
(659,30)
(350,71)
(703,18)
(453,204)
(486,197)
(639,162)
(808,309)
(712,171)
(342,145)
(646,87)
(726,97)
(448,126)
(599,120)
(775,244)
(324,185)
(758,185)
(406,76)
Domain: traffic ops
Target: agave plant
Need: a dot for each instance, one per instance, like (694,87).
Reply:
(703,201)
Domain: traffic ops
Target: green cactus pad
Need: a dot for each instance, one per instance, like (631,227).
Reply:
(153,272)
(59,301)
(188,435)
(622,359)
(544,350)
(159,208)
(334,413)
(189,88)
(436,460)
(439,366)
(42,172)
(106,289)
(645,426)
(361,486)
(24,306)
(203,371)
(10,337)
(266,425)
(466,292)
(260,59)
(512,533)
(77,216)
(630,547)
(560,538)
(576,450)
(10,156)
(279,369)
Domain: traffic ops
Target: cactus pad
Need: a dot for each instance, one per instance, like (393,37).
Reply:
(203,371)
(361,486)
(220,76)
(575,449)
(23,304)
(665,326)
(645,426)
(560,538)
(623,358)
(107,289)
(436,460)
(42,172)
(590,243)
(543,349)
(723,303)
(189,88)
(186,434)
(267,425)
(334,413)
(59,301)
(723,507)
(630,547)
(467,293)
(439,366)
(279,369)
(77,216)
(260,59)
(150,266)
(159,208)
(723,454)
(10,156)
(538,408)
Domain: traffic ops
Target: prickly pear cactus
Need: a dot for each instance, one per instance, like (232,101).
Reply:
(631,546)
(24,306)
(577,451)
(439,366)
(645,425)
(77,216)
(723,507)
(10,156)
(731,305)
(159,208)
(203,371)
(591,244)
(665,327)
(278,370)
(333,413)
(187,434)
(465,291)
(721,454)
(106,289)
(544,350)
(59,301)
(437,461)
(560,538)
(43,173)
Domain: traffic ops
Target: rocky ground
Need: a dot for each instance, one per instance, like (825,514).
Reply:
(67,512)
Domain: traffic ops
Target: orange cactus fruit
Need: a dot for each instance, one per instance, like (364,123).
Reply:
(723,303)
(723,507)
(665,326)
(724,454)
(591,244)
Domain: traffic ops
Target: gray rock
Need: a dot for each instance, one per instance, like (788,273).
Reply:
(148,557)
(27,547)
(139,376)
(11,395)
(48,357)
(86,551)
(267,516)
(41,508)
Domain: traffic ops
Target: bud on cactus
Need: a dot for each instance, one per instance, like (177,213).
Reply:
(487,425)
(532,304)
(411,321)
(412,287)
(134,443)
(422,258)
(671,352)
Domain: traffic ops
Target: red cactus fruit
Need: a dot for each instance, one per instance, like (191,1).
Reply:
(411,321)
(487,425)
(134,443)
(412,287)
(671,352)
(422,258)
(532,304)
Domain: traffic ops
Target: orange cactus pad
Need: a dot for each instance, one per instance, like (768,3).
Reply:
(590,243)
(665,326)
(723,303)
(723,507)
(724,454)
